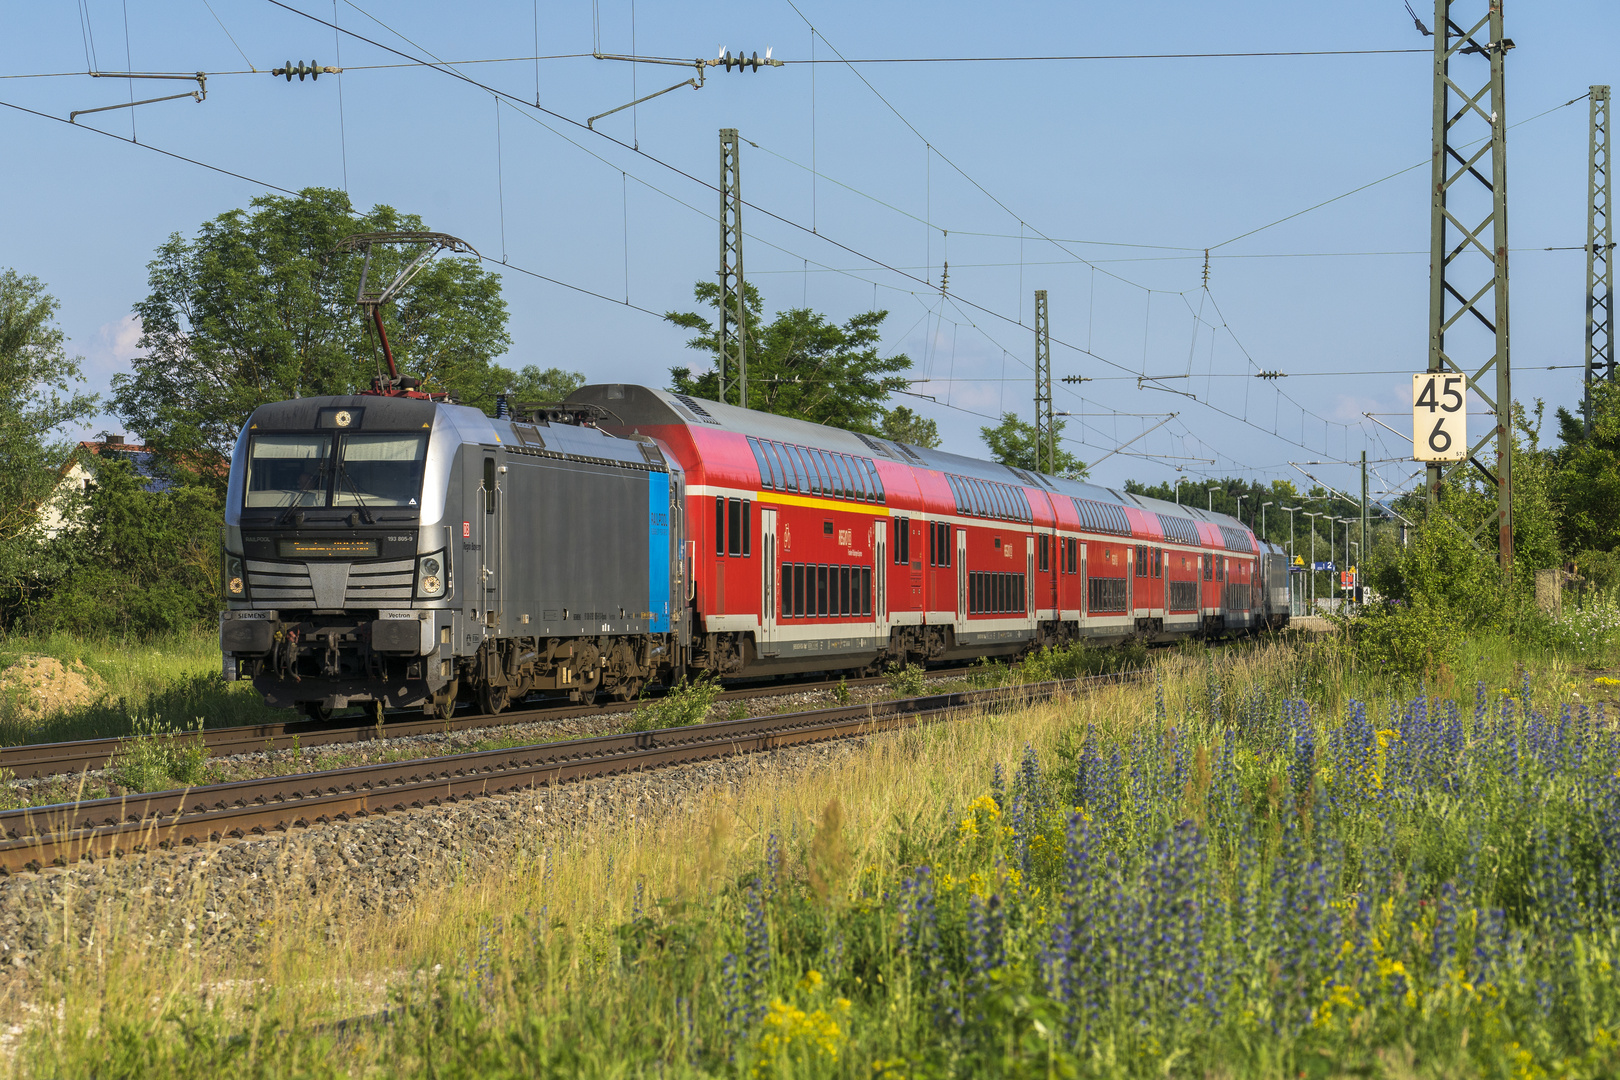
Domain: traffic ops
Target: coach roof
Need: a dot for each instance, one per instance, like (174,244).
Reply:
(639,406)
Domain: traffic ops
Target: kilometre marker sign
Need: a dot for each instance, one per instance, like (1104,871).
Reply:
(1439,417)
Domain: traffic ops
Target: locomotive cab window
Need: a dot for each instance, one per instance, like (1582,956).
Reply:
(287,470)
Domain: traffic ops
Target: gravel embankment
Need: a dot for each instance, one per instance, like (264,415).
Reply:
(233,892)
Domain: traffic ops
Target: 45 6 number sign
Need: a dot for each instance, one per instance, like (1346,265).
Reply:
(1439,417)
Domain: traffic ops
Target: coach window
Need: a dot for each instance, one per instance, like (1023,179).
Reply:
(759,459)
(843,590)
(1046,556)
(845,487)
(1158,562)
(821,590)
(796,457)
(877,480)
(778,475)
(829,479)
(719,525)
(798,590)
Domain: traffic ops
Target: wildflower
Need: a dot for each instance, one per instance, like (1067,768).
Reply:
(810,980)
(788,1032)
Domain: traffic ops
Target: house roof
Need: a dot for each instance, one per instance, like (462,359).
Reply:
(140,458)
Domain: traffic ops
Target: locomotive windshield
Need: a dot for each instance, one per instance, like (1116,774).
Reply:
(370,470)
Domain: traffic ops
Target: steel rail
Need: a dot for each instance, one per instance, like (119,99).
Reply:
(36,760)
(67,833)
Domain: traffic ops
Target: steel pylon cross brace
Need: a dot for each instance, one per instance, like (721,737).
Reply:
(1468,238)
(733,296)
(1045,432)
(1599,256)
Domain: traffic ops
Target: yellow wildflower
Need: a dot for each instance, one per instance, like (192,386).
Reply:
(789,1032)
(810,980)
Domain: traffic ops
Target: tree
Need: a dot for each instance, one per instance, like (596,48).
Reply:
(145,563)
(260,306)
(38,396)
(800,364)
(533,385)
(902,425)
(1587,486)
(1013,442)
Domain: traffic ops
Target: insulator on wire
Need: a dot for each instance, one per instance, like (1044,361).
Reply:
(313,70)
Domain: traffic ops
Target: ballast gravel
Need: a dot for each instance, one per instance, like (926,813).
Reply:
(225,894)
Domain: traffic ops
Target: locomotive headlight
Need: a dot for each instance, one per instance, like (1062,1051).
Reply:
(235,580)
(429,579)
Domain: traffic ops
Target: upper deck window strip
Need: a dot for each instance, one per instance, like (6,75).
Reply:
(812,471)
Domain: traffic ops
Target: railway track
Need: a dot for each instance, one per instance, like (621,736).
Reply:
(53,759)
(61,835)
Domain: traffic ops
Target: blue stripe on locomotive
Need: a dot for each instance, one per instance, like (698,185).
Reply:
(658,551)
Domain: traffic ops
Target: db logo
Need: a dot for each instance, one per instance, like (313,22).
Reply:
(466,529)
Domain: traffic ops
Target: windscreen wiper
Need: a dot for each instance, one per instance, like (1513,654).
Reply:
(348,481)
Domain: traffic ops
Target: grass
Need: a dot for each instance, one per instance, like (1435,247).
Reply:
(164,683)
(1260,862)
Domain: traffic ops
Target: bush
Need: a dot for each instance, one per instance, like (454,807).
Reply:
(1078,661)
(907,681)
(1404,639)
(685,703)
(157,756)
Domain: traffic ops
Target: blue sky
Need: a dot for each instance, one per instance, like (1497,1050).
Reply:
(1133,166)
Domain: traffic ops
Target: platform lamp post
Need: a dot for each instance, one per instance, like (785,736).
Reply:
(1240,508)
(1313,515)
(1347,523)
(1179,482)
(1263,518)
(1211,491)
(1291,510)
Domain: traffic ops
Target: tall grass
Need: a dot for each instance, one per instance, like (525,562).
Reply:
(1256,863)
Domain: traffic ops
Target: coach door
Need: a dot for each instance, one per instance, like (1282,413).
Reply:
(880,581)
(1029,578)
(961,581)
(770,582)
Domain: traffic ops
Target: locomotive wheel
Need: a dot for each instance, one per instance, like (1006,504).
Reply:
(444,702)
(589,659)
(626,681)
(494,699)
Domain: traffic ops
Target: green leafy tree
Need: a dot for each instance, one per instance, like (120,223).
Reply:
(1587,484)
(800,364)
(902,425)
(260,306)
(144,563)
(39,395)
(1013,442)
(532,384)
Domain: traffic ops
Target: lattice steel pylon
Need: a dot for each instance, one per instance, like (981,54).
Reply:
(1045,433)
(733,297)
(1468,238)
(1599,253)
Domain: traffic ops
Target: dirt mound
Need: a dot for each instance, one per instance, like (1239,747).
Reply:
(39,686)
